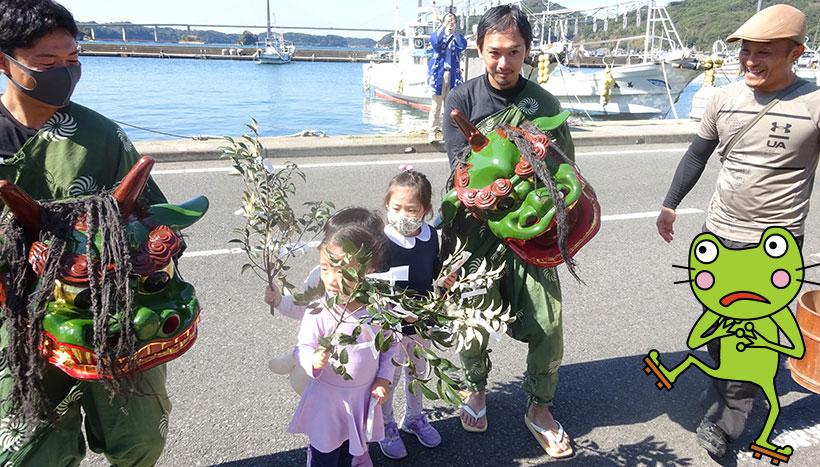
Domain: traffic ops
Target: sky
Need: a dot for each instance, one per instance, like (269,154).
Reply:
(377,14)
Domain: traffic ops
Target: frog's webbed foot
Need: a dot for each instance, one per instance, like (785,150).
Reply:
(654,366)
(777,455)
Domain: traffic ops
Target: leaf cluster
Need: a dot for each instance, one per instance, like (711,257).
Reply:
(451,319)
(273,232)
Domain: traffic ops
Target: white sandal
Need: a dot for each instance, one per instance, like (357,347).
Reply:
(477,416)
(549,440)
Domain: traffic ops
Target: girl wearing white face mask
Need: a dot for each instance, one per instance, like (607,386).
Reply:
(413,244)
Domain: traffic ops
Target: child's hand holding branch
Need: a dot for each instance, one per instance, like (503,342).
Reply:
(320,358)
(273,296)
(380,390)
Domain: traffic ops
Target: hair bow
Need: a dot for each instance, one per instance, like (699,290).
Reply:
(405,168)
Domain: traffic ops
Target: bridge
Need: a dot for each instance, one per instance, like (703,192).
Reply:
(156,27)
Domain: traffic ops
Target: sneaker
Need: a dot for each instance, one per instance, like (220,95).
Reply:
(392,446)
(712,438)
(432,137)
(419,426)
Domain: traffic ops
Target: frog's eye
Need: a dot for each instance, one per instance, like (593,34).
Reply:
(776,246)
(706,251)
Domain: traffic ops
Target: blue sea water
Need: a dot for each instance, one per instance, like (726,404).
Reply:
(218,97)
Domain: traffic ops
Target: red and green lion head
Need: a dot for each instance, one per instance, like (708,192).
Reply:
(518,181)
(94,286)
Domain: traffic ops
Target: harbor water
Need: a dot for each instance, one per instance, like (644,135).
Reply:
(217,98)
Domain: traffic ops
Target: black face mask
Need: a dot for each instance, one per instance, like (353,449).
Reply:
(53,86)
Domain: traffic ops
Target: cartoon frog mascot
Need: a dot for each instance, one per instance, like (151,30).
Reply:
(745,294)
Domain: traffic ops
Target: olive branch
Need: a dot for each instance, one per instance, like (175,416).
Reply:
(451,319)
(273,232)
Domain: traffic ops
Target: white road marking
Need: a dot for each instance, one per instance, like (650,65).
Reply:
(224,251)
(643,215)
(436,160)
(191,171)
(613,217)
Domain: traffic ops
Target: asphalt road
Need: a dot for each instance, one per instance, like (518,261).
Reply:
(229,410)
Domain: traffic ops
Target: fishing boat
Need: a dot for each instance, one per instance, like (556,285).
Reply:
(403,80)
(276,49)
(647,86)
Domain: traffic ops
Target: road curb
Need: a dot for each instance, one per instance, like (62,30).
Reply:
(598,134)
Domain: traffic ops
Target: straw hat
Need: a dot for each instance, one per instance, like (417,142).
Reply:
(775,22)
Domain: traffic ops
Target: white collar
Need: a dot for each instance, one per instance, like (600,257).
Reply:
(407,242)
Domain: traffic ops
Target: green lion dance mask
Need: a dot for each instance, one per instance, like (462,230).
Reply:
(164,310)
(529,194)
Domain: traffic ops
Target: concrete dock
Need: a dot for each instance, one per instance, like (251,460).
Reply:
(214,52)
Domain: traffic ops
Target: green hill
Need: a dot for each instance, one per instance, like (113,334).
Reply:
(165,34)
(699,22)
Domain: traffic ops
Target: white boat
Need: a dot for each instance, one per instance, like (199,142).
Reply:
(643,90)
(404,79)
(648,89)
(808,59)
(276,49)
(807,67)
(638,91)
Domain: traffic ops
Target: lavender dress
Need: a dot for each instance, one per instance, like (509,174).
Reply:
(333,410)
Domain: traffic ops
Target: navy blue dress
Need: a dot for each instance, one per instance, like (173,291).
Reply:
(420,254)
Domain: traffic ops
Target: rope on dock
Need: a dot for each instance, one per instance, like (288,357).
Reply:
(195,138)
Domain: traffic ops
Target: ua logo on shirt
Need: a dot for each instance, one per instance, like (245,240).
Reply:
(776,141)
(787,128)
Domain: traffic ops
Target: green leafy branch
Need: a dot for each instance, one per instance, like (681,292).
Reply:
(273,232)
(451,319)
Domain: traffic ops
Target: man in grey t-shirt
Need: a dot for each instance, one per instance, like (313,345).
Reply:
(766,178)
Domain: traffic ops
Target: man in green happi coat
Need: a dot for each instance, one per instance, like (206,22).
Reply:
(499,97)
(53,148)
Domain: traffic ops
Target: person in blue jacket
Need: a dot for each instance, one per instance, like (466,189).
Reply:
(444,68)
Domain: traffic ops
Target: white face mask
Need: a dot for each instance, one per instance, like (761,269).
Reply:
(404,225)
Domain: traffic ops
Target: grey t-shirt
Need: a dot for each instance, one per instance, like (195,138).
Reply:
(768,177)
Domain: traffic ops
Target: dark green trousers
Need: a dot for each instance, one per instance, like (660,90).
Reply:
(129,434)
(534,297)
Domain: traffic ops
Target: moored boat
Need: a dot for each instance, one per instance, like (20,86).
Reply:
(276,49)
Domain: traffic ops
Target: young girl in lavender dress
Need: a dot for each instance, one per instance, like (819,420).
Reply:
(412,244)
(340,416)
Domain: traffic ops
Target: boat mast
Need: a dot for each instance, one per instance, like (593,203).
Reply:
(396,32)
(649,12)
(269,32)
(467,19)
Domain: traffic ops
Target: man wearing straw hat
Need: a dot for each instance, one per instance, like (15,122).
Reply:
(766,129)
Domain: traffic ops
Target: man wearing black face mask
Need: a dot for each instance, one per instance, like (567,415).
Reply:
(54,148)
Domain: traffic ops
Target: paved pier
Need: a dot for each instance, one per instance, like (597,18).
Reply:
(229,410)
